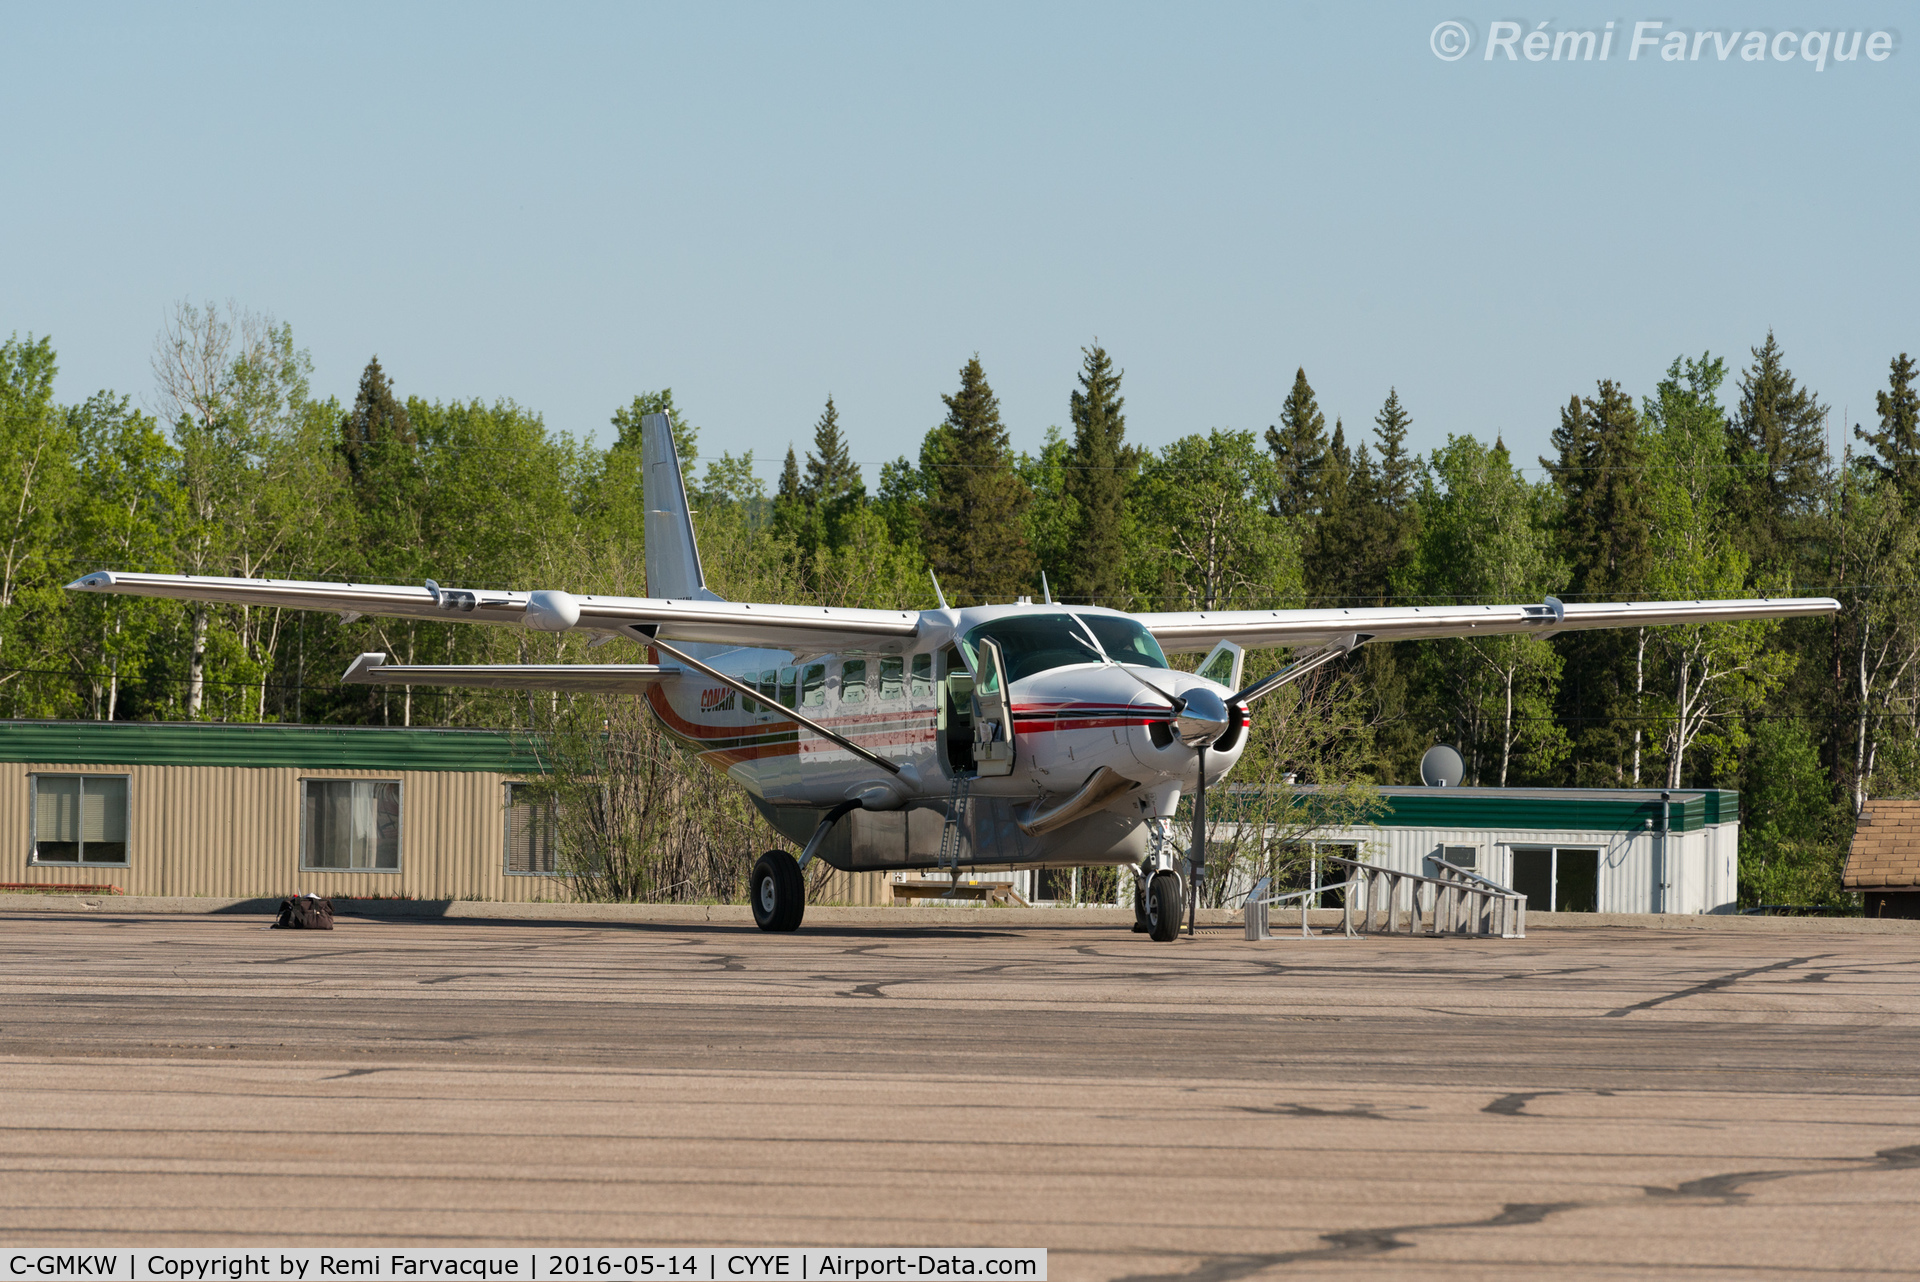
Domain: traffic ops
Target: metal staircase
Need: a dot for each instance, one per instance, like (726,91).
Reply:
(953,836)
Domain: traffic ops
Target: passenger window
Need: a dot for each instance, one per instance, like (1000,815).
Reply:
(892,677)
(922,675)
(853,681)
(788,695)
(813,686)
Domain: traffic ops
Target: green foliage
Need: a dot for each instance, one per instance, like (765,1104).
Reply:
(1299,446)
(1099,467)
(1793,838)
(1777,447)
(246,472)
(1897,443)
(973,526)
(1606,537)
(1215,543)
(1487,538)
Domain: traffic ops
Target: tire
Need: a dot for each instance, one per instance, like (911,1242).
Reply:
(778,892)
(1163,908)
(1139,907)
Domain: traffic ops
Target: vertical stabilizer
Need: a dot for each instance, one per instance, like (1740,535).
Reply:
(673,557)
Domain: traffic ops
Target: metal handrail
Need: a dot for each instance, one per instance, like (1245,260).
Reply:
(1257,906)
(1463,902)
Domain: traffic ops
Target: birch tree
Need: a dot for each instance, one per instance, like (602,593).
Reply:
(1485,538)
(1714,672)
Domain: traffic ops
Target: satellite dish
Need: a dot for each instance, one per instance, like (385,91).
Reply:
(1442,767)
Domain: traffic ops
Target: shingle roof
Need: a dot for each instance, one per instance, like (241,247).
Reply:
(1886,847)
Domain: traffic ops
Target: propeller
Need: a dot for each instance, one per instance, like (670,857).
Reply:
(1201,717)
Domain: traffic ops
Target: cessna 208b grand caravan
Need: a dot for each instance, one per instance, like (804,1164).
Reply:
(1016,736)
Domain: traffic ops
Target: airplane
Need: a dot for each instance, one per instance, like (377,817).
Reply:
(1023,735)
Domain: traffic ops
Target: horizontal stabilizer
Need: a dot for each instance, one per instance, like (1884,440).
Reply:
(579,678)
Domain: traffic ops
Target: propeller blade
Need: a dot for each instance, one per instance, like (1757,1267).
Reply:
(1173,701)
(1199,854)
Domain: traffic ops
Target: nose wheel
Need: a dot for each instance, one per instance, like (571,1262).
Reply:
(1161,908)
(778,892)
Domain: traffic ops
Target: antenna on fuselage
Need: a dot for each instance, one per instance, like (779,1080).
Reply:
(938,595)
(1046,593)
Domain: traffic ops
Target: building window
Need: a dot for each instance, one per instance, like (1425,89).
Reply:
(350,825)
(1557,879)
(1467,857)
(79,819)
(531,834)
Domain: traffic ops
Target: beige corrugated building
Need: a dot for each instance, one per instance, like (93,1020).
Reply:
(1883,863)
(238,811)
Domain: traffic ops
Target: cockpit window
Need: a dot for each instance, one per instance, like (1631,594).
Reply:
(1034,643)
(1125,640)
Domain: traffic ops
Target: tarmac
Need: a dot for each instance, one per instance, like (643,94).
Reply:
(1590,1101)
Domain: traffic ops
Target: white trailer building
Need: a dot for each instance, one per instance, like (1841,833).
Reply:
(1567,849)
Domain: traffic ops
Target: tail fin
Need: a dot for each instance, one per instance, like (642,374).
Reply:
(673,557)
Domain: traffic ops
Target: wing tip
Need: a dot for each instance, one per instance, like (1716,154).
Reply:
(363,669)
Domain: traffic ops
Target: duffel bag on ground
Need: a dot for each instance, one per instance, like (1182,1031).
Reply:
(305,912)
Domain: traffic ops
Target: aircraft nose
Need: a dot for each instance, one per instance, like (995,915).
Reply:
(1202,719)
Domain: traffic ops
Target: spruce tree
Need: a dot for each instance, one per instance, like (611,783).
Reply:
(1299,445)
(376,426)
(1100,468)
(791,518)
(1335,537)
(972,526)
(1777,447)
(1897,443)
(1385,544)
(1393,518)
(386,476)
(1601,475)
(831,472)
(1606,541)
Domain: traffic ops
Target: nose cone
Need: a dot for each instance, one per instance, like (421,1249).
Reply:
(1203,720)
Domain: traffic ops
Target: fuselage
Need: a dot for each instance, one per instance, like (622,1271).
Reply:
(1087,692)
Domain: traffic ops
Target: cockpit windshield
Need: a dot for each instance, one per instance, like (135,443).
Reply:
(1033,643)
(1041,642)
(1125,640)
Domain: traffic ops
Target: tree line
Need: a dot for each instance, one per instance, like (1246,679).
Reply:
(1707,482)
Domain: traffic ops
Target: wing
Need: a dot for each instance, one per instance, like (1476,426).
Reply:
(1199,631)
(800,628)
(580,678)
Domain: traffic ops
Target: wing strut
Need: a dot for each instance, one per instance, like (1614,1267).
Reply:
(746,691)
(1294,671)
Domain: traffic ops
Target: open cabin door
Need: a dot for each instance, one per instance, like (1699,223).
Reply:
(992,713)
(1223,664)
(955,701)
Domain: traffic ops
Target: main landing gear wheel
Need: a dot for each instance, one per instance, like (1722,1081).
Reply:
(778,892)
(1163,908)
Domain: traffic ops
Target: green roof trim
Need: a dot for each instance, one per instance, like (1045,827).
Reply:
(1538,809)
(171,743)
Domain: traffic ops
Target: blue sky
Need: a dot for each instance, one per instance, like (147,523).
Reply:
(761,204)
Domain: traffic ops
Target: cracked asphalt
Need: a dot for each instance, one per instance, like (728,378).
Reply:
(1582,1103)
